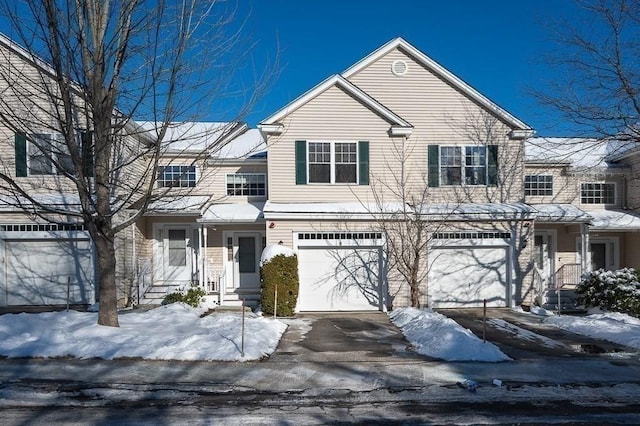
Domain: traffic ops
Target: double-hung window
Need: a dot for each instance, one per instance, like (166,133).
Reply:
(598,193)
(177,176)
(320,162)
(472,165)
(47,154)
(247,184)
(332,162)
(538,185)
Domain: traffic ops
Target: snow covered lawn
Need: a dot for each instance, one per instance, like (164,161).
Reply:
(435,335)
(612,326)
(171,332)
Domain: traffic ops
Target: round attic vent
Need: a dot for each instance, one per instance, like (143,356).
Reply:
(399,67)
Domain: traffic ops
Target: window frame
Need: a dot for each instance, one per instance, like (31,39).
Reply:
(182,177)
(242,174)
(461,158)
(353,150)
(53,158)
(540,188)
(614,193)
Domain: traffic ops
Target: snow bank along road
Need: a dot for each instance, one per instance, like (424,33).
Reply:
(307,384)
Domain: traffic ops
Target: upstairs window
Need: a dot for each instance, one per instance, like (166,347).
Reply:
(177,176)
(247,184)
(42,154)
(462,165)
(598,193)
(332,162)
(538,185)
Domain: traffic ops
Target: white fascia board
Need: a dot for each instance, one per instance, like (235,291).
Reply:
(400,131)
(271,129)
(521,134)
(442,72)
(273,125)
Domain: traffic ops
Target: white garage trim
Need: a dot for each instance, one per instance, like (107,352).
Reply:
(341,271)
(46,264)
(464,271)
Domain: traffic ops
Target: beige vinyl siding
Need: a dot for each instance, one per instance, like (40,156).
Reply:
(443,115)
(332,116)
(211,178)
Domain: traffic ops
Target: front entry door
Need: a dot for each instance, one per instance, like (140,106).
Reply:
(177,256)
(247,249)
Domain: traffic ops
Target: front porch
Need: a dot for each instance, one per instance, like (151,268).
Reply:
(218,251)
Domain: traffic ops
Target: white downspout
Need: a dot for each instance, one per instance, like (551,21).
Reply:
(203,250)
(585,252)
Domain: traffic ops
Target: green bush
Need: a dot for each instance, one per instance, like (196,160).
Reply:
(193,297)
(282,271)
(617,291)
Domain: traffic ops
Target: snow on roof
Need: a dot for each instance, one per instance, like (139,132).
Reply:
(579,152)
(189,136)
(332,208)
(560,213)
(65,201)
(250,144)
(614,220)
(477,210)
(180,205)
(233,212)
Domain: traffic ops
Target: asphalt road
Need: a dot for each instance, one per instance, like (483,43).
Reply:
(328,369)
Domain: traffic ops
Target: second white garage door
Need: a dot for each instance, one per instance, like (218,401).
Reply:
(466,276)
(38,272)
(340,279)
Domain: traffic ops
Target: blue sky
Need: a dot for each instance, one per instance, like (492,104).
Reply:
(494,45)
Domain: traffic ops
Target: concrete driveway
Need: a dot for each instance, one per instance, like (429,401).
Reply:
(524,336)
(343,336)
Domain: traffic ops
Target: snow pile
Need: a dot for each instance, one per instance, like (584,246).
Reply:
(274,250)
(437,336)
(612,326)
(171,332)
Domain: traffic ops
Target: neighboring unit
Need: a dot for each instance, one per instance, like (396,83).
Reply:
(343,174)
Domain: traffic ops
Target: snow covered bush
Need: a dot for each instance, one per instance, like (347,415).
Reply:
(617,291)
(279,268)
(192,297)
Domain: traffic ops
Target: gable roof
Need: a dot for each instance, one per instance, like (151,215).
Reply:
(440,71)
(395,120)
(581,153)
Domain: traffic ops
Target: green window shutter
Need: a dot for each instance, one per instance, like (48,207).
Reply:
(433,178)
(492,165)
(21,155)
(363,160)
(301,162)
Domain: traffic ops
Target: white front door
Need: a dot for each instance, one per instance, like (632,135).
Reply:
(247,248)
(177,254)
(543,256)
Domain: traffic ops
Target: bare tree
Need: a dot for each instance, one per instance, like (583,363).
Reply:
(398,195)
(83,70)
(597,86)
(410,209)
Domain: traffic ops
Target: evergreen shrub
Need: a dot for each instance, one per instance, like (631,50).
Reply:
(282,271)
(617,291)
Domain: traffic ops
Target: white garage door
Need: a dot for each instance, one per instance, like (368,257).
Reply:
(345,279)
(465,276)
(38,271)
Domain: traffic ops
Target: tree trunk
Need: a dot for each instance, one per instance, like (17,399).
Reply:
(415,285)
(108,298)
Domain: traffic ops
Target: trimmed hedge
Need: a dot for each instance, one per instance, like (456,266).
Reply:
(617,291)
(282,271)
